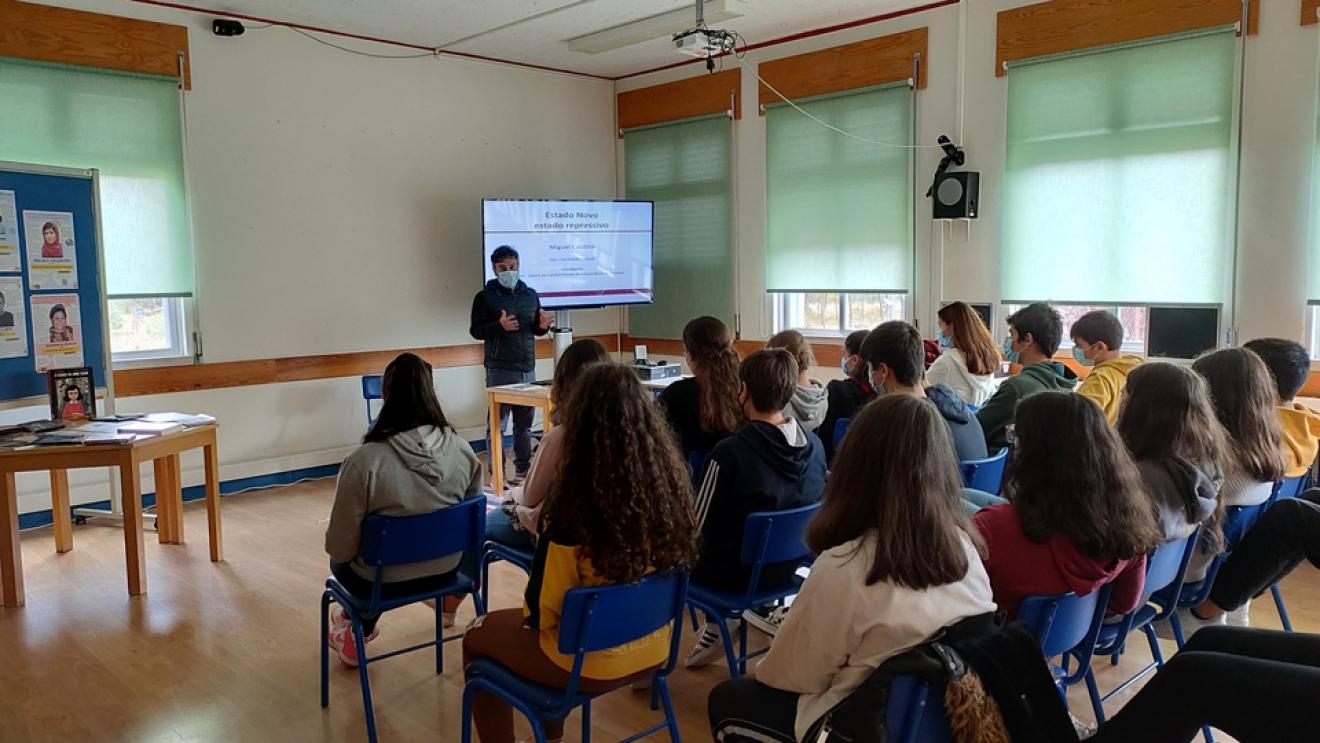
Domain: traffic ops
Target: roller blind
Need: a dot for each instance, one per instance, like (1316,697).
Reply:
(129,128)
(685,169)
(839,210)
(1118,174)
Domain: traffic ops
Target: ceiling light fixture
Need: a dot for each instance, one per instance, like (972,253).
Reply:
(655,27)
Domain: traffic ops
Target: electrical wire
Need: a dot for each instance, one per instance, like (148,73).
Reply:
(372,55)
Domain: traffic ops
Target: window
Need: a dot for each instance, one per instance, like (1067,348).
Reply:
(1118,177)
(835,314)
(1313,331)
(148,329)
(1134,321)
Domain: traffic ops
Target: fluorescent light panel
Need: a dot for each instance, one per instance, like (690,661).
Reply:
(655,27)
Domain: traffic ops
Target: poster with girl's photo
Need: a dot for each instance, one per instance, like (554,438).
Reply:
(13,322)
(56,331)
(52,251)
(72,394)
(11,261)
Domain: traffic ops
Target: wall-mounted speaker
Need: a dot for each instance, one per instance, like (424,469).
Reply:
(957,195)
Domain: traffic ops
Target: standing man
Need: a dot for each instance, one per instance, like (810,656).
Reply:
(507,317)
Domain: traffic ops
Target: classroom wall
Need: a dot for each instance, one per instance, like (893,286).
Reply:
(336,208)
(961,261)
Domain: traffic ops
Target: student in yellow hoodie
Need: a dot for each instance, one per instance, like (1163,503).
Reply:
(1098,342)
(1290,365)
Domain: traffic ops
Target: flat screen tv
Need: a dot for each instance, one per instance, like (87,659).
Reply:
(1181,332)
(575,254)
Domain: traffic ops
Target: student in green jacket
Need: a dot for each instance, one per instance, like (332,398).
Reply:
(1034,335)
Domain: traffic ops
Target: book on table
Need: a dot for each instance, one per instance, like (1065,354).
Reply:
(150,428)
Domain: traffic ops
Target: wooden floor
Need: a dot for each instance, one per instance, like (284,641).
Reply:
(229,651)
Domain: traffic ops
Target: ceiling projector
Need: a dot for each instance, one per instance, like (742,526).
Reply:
(703,43)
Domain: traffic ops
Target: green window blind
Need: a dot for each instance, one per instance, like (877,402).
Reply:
(128,127)
(1118,175)
(685,169)
(839,210)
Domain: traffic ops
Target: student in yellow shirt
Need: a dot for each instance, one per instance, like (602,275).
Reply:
(620,508)
(1290,365)
(1098,342)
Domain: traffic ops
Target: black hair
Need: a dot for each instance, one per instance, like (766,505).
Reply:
(1042,322)
(852,346)
(897,345)
(58,308)
(502,252)
(410,401)
(1098,326)
(1288,361)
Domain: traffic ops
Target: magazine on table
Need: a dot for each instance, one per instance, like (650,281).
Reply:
(72,394)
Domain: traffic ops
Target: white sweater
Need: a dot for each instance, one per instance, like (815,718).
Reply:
(950,370)
(840,629)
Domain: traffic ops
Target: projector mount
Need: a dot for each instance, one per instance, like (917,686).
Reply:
(703,42)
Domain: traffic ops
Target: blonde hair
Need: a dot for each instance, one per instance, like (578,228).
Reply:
(793,342)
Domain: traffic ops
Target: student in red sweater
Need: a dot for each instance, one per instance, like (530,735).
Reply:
(1079,518)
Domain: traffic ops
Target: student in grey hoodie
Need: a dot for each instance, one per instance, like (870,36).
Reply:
(411,462)
(810,399)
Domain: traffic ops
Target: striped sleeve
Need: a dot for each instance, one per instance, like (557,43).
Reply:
(707,490)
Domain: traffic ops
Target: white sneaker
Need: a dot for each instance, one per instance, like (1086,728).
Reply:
(709,648)
(768,619)
(1240,617)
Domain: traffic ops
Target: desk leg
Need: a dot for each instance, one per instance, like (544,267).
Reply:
(212,461)
(130,487)
(169,500)
(547,422)
(59,510)
(11,551)
(496,449)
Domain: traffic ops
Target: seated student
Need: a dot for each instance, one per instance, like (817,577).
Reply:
(620,509)
(704,409)
(1244,398)
(1034,335)
(971,356)
(771,464)
(848,395)
(898,562)
(894,352)
(810,399)
(1079,516)
(411,462)
(1169,426)
(1097,340)
(1290,365)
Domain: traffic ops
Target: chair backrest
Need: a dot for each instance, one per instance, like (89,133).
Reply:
(1063,622)
(1167,564)
(840,429)
(1290,487)
(986,475)
(603,617)
(776,536)
(398,540)
(372,390)
(915,713)
(1238,520)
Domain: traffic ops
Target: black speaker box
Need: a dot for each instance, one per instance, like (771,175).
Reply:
(957,195)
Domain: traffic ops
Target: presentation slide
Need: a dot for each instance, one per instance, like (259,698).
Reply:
(576,253)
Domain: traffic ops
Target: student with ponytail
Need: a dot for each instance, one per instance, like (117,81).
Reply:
(704,410)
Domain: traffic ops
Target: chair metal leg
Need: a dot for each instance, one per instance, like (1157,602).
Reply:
(1177,630)
(439,636)
(468,693)
(586,722)
(364,679)
(742,646)
(1283,610)
(1209,736)
(325,649)
(671,721)
(1097,704)
(1154,645)
(692,612)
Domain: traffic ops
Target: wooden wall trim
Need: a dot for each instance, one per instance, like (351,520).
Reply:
(1059,26)
(863,64)
(191,378)
(682,99)
(42,33)
(1310,8)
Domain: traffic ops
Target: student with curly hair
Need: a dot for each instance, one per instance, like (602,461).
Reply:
(620,509)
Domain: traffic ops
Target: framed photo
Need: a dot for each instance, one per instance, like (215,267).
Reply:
(72,394)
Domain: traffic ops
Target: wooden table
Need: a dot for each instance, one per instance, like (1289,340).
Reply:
(163,451)
(526,395)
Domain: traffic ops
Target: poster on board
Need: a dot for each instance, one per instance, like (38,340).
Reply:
(13,322)
(52,250)
(11,261)
(56,331)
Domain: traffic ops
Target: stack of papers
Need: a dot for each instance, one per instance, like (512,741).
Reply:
(187,420)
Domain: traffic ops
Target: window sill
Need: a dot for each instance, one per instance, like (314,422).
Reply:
(149,362)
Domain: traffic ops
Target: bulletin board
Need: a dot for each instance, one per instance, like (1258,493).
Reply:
(51,257)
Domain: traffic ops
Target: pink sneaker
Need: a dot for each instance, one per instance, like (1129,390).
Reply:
(341,640)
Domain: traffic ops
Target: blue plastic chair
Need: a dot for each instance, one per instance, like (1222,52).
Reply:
(986,475)
(493,552)
(1289,487)
(400,540)
(1066,625)
(593,619)
(769,537)
(916,712)
(372,390)
(1165,568)
(841,427)
(697,466)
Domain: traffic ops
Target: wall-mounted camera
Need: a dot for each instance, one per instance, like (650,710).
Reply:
(226,27)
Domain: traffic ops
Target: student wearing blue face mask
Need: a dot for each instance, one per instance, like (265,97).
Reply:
(1034,335)
(970,355)
(847,396)
(507,317)
(1097,340)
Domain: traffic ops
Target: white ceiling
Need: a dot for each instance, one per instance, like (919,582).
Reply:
(535,31)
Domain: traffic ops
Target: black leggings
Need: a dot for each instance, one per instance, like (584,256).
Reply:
(744,709)
(1287,534)
(361,588)
(1256,685)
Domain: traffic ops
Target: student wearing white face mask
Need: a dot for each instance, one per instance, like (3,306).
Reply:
(970,357)
(847,396)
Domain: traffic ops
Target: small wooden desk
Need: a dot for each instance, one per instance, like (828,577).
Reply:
(163,451)
(526,395)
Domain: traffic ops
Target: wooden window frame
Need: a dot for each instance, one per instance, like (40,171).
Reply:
(683,99)
(863,64)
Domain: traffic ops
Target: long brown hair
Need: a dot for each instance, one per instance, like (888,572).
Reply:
(1245,399)
(409,393)
(972,337)
(1072,476)
(623,493)
(715,365)
(575,358)
(1167,413)
(896,476)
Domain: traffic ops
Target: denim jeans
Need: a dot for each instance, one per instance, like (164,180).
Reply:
(975,500)
(522,420)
